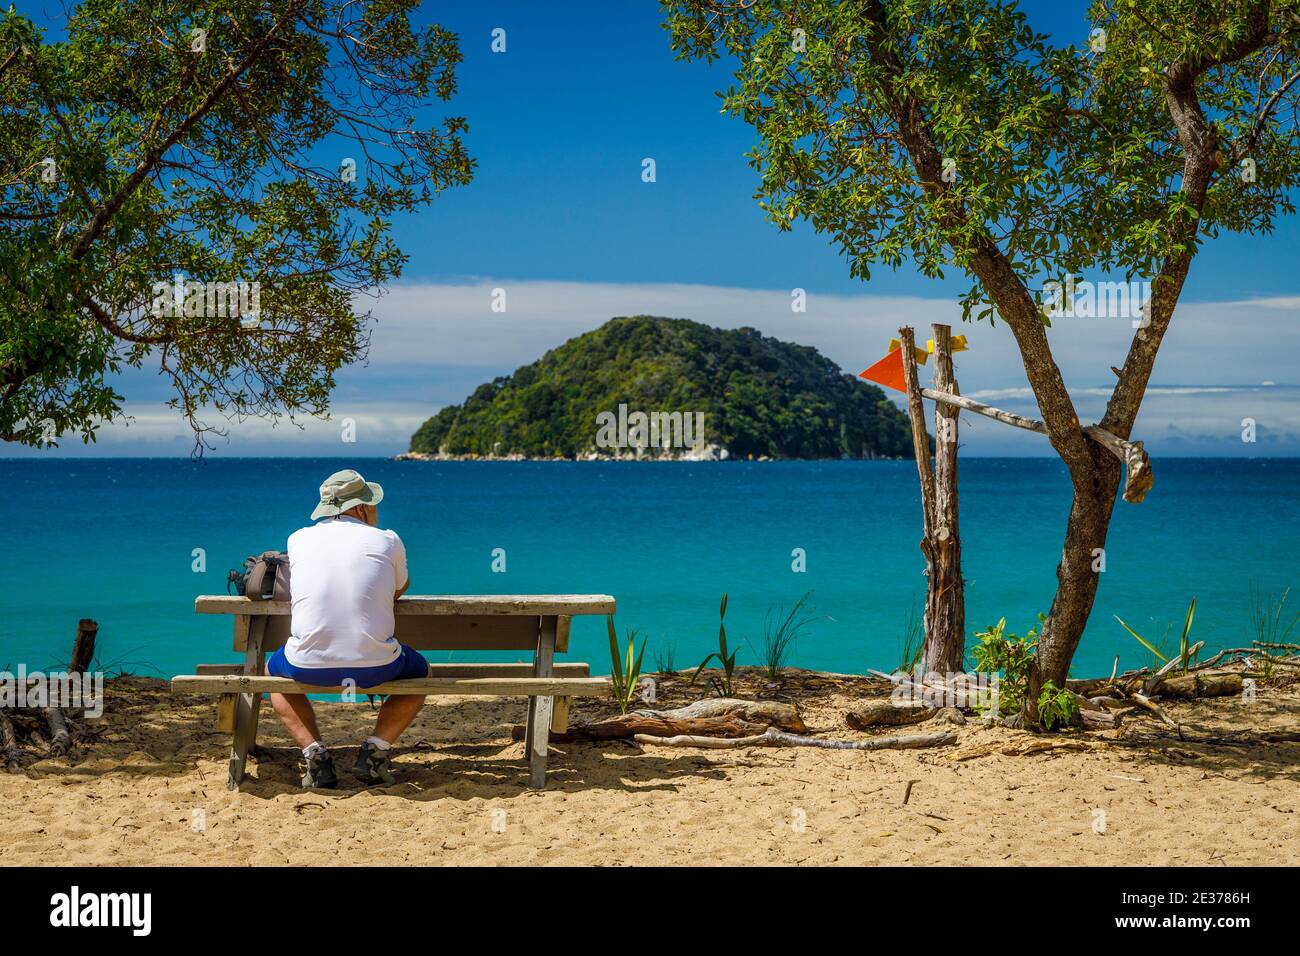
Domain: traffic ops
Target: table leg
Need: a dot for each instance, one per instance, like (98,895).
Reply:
(539,708)
(247,706)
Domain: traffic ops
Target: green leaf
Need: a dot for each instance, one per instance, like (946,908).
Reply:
(1142,640)
(613,650)
(1187,630)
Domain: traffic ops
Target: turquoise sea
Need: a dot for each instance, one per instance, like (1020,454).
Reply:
(114,540)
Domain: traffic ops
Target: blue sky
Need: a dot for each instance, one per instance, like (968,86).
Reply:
(561,121)
(558,216)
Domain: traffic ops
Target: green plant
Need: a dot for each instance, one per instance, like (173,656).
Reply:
(666,659)
(1057,707)
(1266,617)
(913,640)
(1008,656)
(1273,631)
(624,673)
(1184,649)
(722,685)
(781,632)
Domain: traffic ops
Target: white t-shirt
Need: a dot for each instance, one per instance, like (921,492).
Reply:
(344,576)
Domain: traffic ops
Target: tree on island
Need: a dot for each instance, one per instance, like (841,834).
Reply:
(953,134)
(210,188)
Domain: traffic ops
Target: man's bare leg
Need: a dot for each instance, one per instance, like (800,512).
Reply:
(396,715)
(296,713)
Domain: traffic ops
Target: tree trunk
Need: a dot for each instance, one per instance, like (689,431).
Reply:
(1076,579)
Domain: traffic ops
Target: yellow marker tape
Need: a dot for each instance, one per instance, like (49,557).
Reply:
(921,355)
(958,343)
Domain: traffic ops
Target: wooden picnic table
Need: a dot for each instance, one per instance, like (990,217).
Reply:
(536,623)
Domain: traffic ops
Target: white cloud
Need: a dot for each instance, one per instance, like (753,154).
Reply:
(432,343)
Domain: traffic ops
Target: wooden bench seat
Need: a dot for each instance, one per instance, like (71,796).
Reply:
(456,622)
(446,686)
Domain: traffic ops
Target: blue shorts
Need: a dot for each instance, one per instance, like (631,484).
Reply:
(410,663)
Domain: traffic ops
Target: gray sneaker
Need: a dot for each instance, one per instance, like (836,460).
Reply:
(372,766)
(320,772)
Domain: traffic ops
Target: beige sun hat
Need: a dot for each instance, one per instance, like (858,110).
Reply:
(343,490)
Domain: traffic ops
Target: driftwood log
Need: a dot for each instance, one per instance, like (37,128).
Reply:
(1191,686)
(889,713)
(32,722)
(1195,683)
(1093,715)
(1146,703)
(1100,719)
(777,738)
(1152,682)
(9,751)
(60,736)
(716,717)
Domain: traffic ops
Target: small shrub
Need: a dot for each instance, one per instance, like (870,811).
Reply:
(1010,657)
(1057,707)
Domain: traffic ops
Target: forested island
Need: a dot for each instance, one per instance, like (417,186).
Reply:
(645,386)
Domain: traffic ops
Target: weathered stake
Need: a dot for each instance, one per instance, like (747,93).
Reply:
(83,648)
(945,615)
(920,439)
(945,605)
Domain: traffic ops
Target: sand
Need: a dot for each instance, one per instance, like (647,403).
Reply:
(151,790)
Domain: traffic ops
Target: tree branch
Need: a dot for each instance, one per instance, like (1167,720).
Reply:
(1199,141)
(990,265)
(99,222)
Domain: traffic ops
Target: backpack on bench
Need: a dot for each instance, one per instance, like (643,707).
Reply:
(265,577)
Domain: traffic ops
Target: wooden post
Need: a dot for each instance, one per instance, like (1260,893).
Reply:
(560,714)
(920,439)
(945,615)
(247,706)
(536,737)
(83,648)
(945,600)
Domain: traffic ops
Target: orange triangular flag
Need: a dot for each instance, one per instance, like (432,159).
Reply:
(888,372)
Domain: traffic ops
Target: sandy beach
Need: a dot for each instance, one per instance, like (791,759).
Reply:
(151,791)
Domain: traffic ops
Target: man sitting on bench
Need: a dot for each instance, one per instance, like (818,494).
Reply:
(346,572)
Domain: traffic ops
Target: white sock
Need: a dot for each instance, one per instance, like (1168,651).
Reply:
(379,743)
(312,749)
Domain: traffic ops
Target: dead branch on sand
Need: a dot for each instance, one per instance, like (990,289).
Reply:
(777,738)
(714,717)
